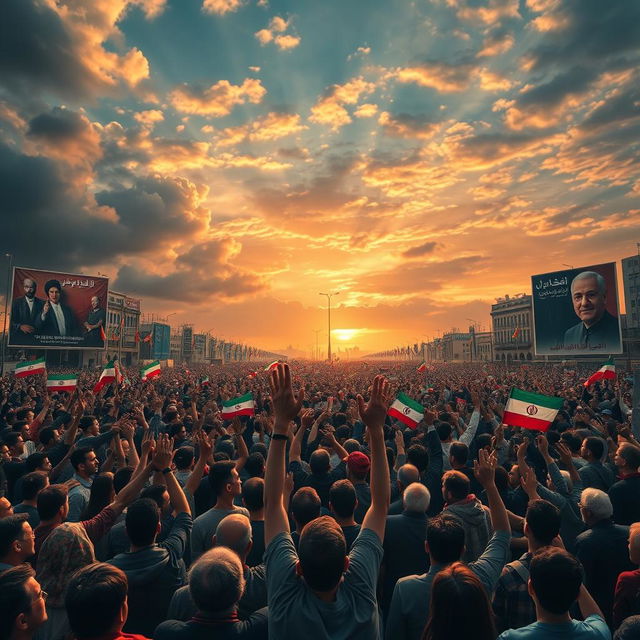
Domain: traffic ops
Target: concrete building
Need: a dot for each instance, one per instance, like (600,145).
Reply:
(457,347)
(631,286)
(123,322)
(512,323)
(482,345)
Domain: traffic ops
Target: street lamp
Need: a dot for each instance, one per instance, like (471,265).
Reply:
(328,296)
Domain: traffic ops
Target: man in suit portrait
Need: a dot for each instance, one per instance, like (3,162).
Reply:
(24,311)
(56,318)
(95,320)
(597,328)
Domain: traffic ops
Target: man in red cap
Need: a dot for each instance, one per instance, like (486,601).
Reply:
(358,465)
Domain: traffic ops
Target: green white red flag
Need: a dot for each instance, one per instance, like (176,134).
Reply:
(422,367)
(31,368)
(108,376)
(606,372)
(406,410)
(151,370)
(273,365)
(531,410)
(240,406)
(66,382)
(204,381)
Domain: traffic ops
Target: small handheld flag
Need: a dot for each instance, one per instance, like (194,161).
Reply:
(606,372)
(31,368)
(422,367)
(531,410)
(107,376)
(151,370)
(241,406)
(67,382)
(273,365)
(406,410)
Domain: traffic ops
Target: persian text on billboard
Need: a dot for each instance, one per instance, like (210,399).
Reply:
(51,310)
(576,311)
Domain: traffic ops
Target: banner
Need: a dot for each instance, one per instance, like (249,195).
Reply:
(635,409)
(54,310)
(575,311)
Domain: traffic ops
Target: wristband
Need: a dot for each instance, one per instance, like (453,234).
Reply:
(279,436)
(163,471)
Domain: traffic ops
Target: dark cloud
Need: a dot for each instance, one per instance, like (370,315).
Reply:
(46,222)
(594,31)
(420,250)
(407,125)
(58,125)
(202,272)
(38,53)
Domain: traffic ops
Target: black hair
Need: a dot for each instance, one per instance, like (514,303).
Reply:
(253,493)
(343,499)
(32,483)
(445,537)
(220,475)
(10,530)
(14,598)
(50,499)
(141,522)
(556,577)
(543,519)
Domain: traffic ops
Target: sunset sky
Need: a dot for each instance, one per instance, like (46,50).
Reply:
(227,160)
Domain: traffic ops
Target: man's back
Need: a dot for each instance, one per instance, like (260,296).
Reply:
(154,573)
(205,526)
(603,552)
(593,628)
(296,612)
(404,550)
(597,476)
(625,499)
(512,604)
(209,626)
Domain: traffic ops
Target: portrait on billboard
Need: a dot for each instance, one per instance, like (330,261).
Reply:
(57,310)
(576,311)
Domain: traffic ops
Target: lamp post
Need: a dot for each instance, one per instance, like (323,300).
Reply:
(4,322)
(317,355)
(328,296)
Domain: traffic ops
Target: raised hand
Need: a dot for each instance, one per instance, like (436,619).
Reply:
(429,416)
(565,454)
(484,468)
(543,446)
(286,405)
(148,443)
(529,483)
(306,418)
(163,454)
(374,412)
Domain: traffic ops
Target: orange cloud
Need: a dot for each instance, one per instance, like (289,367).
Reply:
(330,111)
(441,76)
(217,100)
(491,13)
(221,7)
(273,126)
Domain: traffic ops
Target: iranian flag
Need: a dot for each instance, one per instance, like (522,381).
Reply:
(406,410)
(204,381)
(273,365)
(606,372)
(107,376)
(31,368)
(422,367)
(531,410)
(151,370)
(241,406)
(67,382)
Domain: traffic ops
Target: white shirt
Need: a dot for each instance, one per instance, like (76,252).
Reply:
(30,303)
(57,309)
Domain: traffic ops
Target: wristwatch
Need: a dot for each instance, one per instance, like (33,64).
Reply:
(279,436)
(164,471)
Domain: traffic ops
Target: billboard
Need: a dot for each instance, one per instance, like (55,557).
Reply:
(575,311)
(161,346)
(54,310)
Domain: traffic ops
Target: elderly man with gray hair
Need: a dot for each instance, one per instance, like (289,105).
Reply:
(597,329)
(602,549)
(404,538)
(234,533)
(216,584)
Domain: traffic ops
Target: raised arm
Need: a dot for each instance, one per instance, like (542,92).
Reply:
(484,469)
(241,445)
(161,461)
(286,407)
(295,452)
(205,447)
(373,415)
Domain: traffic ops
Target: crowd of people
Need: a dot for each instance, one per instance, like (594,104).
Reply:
(139,512)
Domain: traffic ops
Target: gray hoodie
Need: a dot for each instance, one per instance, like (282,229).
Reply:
(473,517)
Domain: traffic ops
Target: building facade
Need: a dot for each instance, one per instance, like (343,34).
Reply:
(512,323)
(631,285)
(123,323)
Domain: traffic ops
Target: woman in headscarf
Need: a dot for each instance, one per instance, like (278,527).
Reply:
(66,549)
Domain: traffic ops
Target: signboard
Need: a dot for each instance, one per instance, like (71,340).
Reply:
(575,311)
(54,310)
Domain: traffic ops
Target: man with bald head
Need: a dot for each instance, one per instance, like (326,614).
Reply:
(234,533)
(23,314)
(407,474)
(597,329)
(216,583)
(404,549)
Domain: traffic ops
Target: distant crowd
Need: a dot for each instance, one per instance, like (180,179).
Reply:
(141,512)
